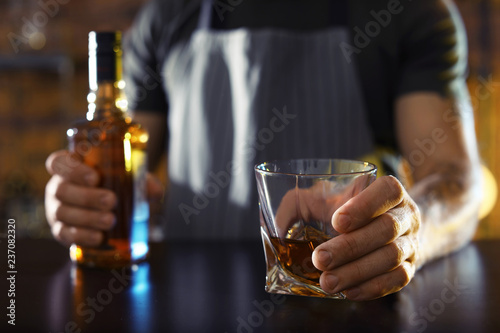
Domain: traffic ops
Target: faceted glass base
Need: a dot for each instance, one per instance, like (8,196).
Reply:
(282,281)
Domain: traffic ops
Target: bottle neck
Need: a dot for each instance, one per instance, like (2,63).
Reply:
(107,100)
(106,97)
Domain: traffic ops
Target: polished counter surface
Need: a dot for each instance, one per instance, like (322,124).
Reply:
(219,287)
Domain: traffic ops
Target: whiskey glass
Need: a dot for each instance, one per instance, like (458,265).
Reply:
(297,199)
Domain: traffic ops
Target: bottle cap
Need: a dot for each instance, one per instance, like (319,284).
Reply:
(105,54)
(105,42)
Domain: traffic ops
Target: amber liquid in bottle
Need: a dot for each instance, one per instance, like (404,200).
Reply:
(115,147)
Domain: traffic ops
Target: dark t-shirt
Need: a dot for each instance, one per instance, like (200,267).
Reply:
(244,81)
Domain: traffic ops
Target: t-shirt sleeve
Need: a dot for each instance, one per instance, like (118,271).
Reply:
(433,50)
(141,64)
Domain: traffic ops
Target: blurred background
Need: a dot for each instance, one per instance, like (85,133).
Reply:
(44,84)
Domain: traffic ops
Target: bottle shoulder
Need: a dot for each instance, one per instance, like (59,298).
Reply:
(102,124)
(108,128)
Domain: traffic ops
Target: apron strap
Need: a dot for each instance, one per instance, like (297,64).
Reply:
(205,20)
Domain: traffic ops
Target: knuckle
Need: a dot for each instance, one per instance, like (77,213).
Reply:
(350,246)
(394,281)
(406,274)
(412,207)
(394,189)
(416,216)
(360,272)
(396,254)
(415,246)
(65,164)
(56,163)
(50,161)
(415,257)
(59,190)
(392,226)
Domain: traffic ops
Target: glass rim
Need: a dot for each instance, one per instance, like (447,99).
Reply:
(372,167)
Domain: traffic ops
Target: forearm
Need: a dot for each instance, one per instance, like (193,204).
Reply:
(447,180)
(448,201)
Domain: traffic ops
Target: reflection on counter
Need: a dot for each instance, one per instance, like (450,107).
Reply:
(462,278)
(94,293)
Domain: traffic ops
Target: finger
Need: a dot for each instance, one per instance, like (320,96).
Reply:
(288,212)
(84,218)
(71,167)
(316,203)
(382,285)
(68,235)
(376,263)
(382,195)
(353,245)
(81,196)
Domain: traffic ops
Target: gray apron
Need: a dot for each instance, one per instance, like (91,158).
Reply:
(241,97)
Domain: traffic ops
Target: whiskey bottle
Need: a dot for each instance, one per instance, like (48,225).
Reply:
(115,147)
